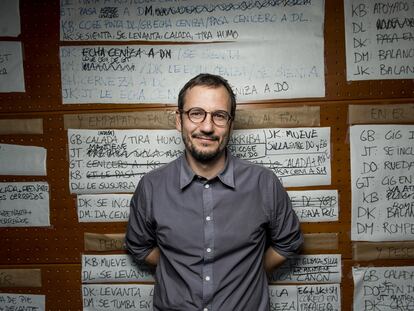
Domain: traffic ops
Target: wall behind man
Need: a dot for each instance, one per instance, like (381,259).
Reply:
(57,249)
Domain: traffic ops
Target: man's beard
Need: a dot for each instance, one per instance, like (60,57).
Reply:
(203,156)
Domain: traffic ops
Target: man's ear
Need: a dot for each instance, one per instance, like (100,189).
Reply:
(178,121)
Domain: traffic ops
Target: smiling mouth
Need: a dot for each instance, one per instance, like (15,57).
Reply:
(206,138)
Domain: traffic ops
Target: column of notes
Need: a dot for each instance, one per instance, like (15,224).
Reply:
(383,288)
(108,161)
(315,205)
(382,175)
(360,40)
(113,268)
(298,156)
(364,183)
(121,297)
(309,269)
(379,39)
(103,207)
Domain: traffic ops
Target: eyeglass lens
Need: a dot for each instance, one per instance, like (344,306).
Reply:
(198,115)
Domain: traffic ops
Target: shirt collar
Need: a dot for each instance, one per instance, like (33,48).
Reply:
(186,173)
(226,176)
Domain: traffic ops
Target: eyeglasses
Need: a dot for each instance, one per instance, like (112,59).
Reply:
(198,115)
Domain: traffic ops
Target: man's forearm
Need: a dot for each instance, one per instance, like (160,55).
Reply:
(272,260)
(153,257)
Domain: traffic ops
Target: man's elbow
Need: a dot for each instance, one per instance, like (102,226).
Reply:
(153,257)
(272,260)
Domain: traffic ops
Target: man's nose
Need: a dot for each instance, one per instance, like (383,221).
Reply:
(207,125)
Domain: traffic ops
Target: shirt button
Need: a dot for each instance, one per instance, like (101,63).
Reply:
(205,309)
(208,218)
(207,278)
(208,250)
(206,186)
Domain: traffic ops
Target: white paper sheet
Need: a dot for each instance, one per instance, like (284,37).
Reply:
(305,297)
(309,269)
(315,205)
(298,156)
(11,67)
(120,297)
(382,177)
(22,302)
(22,160)
(9,18)
(103,207)
(190,20)
(113,268)
(155,73)
(24,204)
(108,161)
(383,288)
(379,39)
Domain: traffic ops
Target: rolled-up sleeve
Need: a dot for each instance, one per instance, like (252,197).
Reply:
(140,236)
(285,234)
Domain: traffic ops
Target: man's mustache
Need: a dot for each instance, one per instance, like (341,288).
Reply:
(212,137)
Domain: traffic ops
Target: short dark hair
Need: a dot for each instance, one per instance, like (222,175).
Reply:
(208,80)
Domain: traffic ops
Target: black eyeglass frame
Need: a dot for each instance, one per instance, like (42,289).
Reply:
(212,113)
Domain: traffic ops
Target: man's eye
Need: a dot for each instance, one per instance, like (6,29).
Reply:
(221,116)
(197,114)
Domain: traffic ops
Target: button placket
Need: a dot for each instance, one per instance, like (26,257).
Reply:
(208,244)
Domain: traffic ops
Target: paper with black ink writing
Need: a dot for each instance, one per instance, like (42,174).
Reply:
(24,204)
(305,297)
(382,176)
(108,161)
(103,207)
(191,20)
(22,302)
(383,288)
(315,205)
(122,297)
(324,268)
(379,39)
(11,67)
(298,156)
(133,74)
(113,268)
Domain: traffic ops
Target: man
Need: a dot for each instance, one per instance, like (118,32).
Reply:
(212,224)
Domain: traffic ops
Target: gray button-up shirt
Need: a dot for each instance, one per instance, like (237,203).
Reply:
(212,234)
